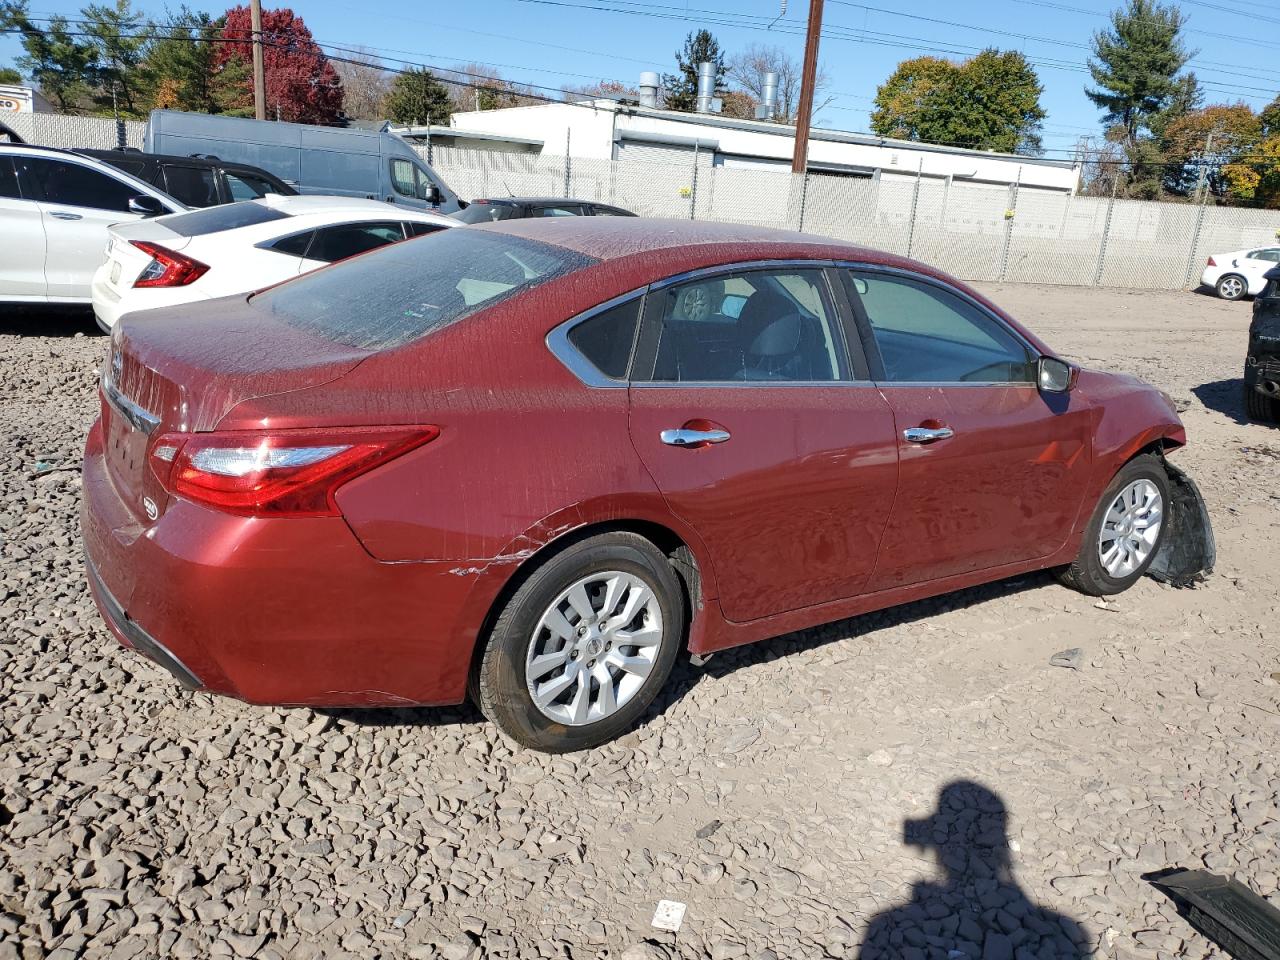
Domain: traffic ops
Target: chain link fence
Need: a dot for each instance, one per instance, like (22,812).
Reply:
(974,231)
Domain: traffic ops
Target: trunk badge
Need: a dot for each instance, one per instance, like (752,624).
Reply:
(149,505)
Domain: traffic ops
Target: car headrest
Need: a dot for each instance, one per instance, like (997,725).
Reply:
(779,338)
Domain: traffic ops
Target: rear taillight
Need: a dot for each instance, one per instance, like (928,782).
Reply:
(278,473)
(167,268)
(1212,262)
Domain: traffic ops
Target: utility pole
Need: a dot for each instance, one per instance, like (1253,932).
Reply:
(805,114)
(1201,182)
(259,72)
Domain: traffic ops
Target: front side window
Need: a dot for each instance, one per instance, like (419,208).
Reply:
(194,186)
(336,243)
(757,325)
(402,178)
(69,184)
(407,290)
(416,229)
(928,334)
(245,186)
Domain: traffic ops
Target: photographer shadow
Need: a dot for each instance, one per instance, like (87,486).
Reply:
(977,910)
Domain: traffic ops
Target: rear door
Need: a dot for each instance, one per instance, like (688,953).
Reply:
(1256,265)
(21,238)
(991,472)
(77,203)
(764,434)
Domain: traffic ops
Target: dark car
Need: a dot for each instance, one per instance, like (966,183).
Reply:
(517,208)
(1262,364)
(387,499)
(196,181)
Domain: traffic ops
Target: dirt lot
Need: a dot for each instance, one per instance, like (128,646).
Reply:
(918,783)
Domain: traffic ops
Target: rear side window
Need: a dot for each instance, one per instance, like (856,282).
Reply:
(61,182)
(568,210)
(194,186)
(245,186)
(485,212)
(606,339)
(8,180)
(295,246)
(406,290)
(420,229)
(346,240)
(216,219)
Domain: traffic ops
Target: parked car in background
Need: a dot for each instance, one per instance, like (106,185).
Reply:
(196,181)
(1235,275)
(542,460)
(333,161)
(55,207)
(514,208)
(1262,361)
(240,247)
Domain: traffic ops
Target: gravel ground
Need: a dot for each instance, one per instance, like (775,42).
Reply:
(916,783)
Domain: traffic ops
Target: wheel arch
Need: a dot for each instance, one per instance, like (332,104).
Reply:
(682,547)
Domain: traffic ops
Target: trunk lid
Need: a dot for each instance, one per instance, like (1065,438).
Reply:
(182,370)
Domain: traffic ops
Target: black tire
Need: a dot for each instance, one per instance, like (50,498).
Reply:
(499,684)
(1086,573)
(1232,294)
(1260,407)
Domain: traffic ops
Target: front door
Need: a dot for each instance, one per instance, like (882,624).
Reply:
(747,412)
(991,471)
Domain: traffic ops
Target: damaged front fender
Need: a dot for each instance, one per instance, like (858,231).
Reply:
(1188,552)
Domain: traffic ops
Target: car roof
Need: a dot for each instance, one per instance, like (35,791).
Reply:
(615,237)
(307,204)
(191,161)
(540,201)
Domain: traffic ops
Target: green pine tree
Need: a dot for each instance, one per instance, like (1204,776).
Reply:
(417,97)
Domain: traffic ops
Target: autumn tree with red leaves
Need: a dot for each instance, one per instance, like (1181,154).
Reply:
(301,82)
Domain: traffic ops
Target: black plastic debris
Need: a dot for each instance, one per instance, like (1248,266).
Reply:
(1227,912)
(1188,552)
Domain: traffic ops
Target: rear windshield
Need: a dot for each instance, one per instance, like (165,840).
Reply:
(485,212)
(216,219)
(403,291)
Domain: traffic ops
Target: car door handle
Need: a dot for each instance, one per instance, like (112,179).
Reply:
(64,215)
(927,434)
(684,437)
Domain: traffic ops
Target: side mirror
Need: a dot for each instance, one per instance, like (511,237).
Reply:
(1055,376)
(146,206)
(432,195)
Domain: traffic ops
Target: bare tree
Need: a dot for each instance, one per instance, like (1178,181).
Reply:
(366,84)
(747,70)
(473,86)
(602,89)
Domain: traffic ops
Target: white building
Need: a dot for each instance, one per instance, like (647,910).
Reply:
(605,129)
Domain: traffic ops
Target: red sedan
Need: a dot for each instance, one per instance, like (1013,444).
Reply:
(540,459)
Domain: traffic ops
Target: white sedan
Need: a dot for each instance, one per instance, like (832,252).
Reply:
(1235,274)
(241,247)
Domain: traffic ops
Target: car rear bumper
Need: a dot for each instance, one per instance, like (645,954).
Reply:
(278,611)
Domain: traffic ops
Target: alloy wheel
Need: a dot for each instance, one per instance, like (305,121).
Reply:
(1130,528)
(1232,288)
(593,647)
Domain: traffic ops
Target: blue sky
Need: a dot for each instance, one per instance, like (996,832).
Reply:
(556,42)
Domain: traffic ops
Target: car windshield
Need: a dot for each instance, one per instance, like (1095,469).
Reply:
(403,291)
(482,211)
(229,216)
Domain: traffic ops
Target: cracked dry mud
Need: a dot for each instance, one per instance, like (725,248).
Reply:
(918,783)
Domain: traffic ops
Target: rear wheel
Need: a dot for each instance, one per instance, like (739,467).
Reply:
(1232,287)
(1261,407)
(1125,531)
(584,645)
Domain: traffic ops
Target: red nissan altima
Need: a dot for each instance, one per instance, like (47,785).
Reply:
(539,459)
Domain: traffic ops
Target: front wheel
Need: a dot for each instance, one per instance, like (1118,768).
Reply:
(1259,406)
(1125,532)
(584,645)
